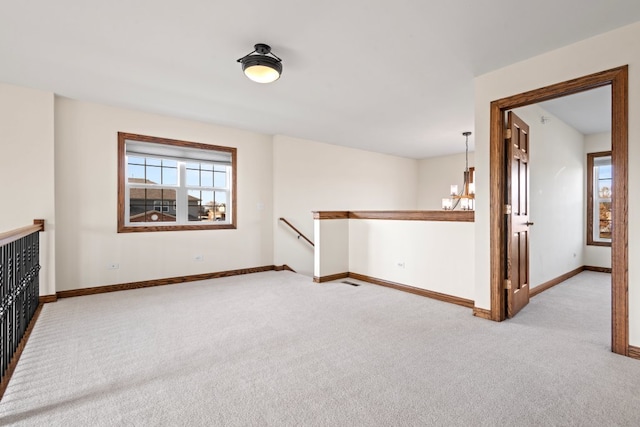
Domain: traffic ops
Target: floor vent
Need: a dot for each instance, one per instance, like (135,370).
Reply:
(346,282)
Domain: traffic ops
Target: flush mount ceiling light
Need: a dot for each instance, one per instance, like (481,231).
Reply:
(261,65)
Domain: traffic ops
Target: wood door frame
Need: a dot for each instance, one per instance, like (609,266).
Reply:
(617,78)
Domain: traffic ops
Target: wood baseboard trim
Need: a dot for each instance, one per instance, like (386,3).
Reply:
(551,283)
(16,356)
(598,269)
(634,352)
(161,282)
(284,267)
(48,298)
(330,277)
(411,289)
(482,313)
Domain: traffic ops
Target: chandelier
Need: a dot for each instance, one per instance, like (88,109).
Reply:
(464,198)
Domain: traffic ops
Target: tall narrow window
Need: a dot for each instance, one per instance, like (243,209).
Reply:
(166,185)
(599,197)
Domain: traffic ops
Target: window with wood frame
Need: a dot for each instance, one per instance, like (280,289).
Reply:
(172,185)
(599,197)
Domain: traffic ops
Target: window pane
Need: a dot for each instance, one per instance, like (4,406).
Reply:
(208,205)
(206,179)
(152,205)
(200,205)
(600,183)
(193,178)
(154,175)
(220,179)
(169,176)
(605,220)
(604,189)
(199,175)
(221,209)
(137,201)
(194,205)
(135,160)
(153,162)
(604,172)
(135,173)
(221,197)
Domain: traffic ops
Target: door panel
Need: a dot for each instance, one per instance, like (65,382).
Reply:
(517,222)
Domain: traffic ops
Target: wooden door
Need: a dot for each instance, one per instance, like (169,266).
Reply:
(517,214)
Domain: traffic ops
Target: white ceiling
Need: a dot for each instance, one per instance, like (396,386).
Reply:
(388,76)
(589,112)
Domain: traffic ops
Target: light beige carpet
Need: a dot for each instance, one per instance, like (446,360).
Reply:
(275,349)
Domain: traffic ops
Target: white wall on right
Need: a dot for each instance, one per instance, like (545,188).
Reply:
(557,195)
(597,256)
(605,51)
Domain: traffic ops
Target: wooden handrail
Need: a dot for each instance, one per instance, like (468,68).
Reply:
(297,231)
(13,235)
(434,215)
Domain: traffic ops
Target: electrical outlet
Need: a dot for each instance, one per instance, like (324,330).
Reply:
(113,266)
(198,258)
(400,264)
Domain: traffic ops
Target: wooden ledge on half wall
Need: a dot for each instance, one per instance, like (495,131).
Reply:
(440,215)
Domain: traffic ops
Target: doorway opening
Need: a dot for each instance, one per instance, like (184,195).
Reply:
(617,78)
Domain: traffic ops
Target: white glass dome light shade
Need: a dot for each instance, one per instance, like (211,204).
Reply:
(261,73)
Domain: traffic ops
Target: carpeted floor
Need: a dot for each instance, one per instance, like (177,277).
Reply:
(275,349)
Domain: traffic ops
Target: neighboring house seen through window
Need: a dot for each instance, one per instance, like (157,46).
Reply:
(599,197)
(166,185)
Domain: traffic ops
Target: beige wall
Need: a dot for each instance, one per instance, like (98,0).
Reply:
(309,176)
(435,177)
(432,255)
(331,251)
(27,169)
(599,53)
(86,195)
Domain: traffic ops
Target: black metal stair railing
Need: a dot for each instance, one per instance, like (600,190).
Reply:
(19,290)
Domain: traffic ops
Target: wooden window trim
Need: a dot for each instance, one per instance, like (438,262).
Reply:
(590,199)
(123,228)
